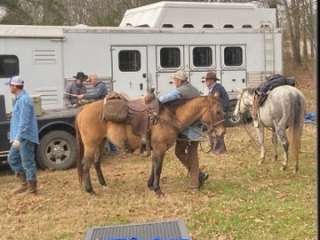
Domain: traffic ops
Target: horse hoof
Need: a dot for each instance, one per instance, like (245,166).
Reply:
(203,176)
(90,190)
(159,193)
(283,168)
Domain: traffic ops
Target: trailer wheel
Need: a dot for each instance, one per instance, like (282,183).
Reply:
(57,150)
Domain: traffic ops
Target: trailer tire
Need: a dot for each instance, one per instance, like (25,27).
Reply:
(57,150)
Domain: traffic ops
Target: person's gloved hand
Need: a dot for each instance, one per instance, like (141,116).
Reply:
(16,144)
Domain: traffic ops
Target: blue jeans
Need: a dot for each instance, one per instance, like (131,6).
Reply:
(22,160)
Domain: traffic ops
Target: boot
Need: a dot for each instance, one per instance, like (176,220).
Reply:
(24,186)
(32,186)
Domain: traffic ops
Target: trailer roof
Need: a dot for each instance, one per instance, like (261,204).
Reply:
(215,5)
(30,31)
(200,15)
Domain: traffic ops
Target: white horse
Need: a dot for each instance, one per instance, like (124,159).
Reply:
(284,108)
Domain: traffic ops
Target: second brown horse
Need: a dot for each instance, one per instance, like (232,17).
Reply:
(173,118)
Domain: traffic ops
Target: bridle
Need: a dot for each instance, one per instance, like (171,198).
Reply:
(239,103)
(212,125)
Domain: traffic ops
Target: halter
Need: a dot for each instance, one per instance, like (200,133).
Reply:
(240,99)
(212,125)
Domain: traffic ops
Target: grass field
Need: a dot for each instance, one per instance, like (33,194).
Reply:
(240,200)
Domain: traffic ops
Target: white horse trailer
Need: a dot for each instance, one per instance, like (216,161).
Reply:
(239,41)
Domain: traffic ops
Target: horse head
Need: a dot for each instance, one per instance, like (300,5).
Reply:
(245,101)
(214,116)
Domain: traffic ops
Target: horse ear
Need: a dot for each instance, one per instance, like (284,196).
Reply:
(152,90)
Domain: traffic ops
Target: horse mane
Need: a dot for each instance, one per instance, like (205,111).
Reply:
(251,90)
(174,105)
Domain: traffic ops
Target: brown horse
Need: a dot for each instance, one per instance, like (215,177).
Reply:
(173,118)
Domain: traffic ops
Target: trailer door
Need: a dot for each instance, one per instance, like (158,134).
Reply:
(233,65)
(169,60)
(201,60)
(129,69)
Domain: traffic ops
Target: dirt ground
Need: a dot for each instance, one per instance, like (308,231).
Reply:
(240,200)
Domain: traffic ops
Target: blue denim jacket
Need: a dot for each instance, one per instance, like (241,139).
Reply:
(23,122)
(192,132)
(170,96)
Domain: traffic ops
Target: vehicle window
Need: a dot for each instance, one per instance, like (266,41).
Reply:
(170,57)
(202,56)
(167,25)
(228,26)
(208,26)
(9,66)
(233,56)
(187,26)
(129,61)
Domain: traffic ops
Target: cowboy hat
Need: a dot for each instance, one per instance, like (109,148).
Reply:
(211,75)
(81,76)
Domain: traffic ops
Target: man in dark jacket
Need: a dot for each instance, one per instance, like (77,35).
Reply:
(219,91)
(75,88)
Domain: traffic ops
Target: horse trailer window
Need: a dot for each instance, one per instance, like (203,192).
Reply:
(9,66)
(202,56)
(187,26)
(170,57)
(233,56)
(208,26)
(129,61)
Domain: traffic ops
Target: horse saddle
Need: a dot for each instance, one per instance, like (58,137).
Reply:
(115,108)
(272,82)
(140,114)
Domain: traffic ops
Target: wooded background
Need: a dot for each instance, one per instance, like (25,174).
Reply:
(297,18)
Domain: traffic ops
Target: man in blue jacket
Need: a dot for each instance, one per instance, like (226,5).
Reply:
(185,150)
(98,91)
(23,138)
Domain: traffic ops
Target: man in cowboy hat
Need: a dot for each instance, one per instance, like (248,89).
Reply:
(219,91)
(74,89)
(23,138)
(216,89)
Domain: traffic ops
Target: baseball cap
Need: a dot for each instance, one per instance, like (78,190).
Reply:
(16,81)
(180,75)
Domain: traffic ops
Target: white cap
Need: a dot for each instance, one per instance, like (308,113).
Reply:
(15,80)
(180,75)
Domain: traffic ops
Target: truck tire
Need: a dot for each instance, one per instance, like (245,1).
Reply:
(57,150)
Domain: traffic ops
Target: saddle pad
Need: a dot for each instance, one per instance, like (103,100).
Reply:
(162,230)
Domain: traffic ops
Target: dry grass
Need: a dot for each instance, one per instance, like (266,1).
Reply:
(239,201)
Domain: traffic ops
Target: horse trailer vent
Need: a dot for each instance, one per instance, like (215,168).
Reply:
(44,56)
(164,230)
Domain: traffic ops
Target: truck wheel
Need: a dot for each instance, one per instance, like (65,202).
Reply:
(57,150)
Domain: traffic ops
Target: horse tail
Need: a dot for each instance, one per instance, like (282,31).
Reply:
(79,151)
(295,129)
